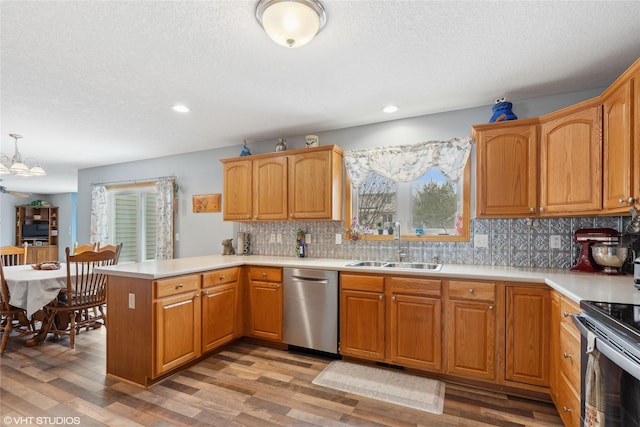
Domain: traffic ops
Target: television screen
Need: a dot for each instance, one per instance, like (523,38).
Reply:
(35,231)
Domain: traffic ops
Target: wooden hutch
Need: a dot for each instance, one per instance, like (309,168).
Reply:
(38,226)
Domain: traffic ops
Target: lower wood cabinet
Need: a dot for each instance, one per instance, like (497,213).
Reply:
(221,312)
(471,329)
(362,316)
(265,303)
(527,323)
(565,360)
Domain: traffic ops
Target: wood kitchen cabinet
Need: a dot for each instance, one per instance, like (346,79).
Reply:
(507,168)
(296,184)
(237,190)
(221,313)
(621,149)
(315,179)
(571,160)
(177,322)
(265,303)
(527,333)
(565,360)
(362,316)
(415,322)
(471,329)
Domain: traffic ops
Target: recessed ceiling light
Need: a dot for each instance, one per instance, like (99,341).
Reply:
(181,108)
(390,109)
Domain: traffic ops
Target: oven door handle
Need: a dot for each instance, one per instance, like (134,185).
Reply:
(610,352)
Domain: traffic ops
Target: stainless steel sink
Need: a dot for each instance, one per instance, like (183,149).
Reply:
(414,265)
(367,264)
(401,265)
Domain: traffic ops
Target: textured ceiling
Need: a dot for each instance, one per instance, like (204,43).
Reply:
(91,83)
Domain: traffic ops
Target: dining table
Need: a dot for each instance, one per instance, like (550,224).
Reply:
(32,289)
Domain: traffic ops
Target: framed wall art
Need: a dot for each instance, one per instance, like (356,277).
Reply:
(206,203)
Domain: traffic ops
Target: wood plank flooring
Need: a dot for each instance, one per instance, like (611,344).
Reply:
(245,385)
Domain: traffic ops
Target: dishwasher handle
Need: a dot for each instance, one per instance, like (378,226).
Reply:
(309,279)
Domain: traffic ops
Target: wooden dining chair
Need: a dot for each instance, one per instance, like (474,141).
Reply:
(13,320)
(14,255)
(86,289)
(83,248)
(114,248)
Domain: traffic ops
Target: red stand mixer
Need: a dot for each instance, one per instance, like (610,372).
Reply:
(587,237)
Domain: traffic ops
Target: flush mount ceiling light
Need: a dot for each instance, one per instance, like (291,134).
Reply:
(179,108)
(17,165)
(390,109)
(291,23)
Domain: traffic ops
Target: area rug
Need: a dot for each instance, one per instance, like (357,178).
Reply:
(383,384)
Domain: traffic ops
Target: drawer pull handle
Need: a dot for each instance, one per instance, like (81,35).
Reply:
(567,355)
(471,291)
(180,286)
(565,409)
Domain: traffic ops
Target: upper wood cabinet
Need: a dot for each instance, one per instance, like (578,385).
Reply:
(507,173)
(296,184)
(621,150)
(571,160)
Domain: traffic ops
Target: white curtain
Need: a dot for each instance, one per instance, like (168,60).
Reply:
(99,232)
(164,211)
(405,163)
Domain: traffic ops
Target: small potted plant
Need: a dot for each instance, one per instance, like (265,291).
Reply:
(380,230)
(390,229)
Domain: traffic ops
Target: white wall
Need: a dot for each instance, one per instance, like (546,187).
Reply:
(201,172)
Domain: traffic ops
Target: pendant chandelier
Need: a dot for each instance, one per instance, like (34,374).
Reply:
(291,23)
(16,165)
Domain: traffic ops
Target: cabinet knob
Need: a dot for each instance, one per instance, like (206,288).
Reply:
(541,209)
(278,286)
(291,215)
(532,210)
(630,200)
(206,292)
(490,307)
(380,297)
(264,274)
(566,314)
(197,295)
(393,298)
(471,291)
(565,409)
(248,216)
(222,277)
(180,286)
(567,355)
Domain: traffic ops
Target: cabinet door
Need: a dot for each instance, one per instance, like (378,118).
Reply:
(507,171)
(618,150)
(266,310)
(270,188)
(527,327)
(311,185)
(362,331)
(237,194)
(471,339)
(415,327)
(219,315)
(571,163)
(177,330)
(554,361)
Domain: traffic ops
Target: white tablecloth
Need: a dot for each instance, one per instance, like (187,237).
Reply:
(33,289)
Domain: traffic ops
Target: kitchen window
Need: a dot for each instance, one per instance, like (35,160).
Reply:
(426,188)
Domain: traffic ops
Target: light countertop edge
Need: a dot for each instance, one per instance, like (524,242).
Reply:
(574,285)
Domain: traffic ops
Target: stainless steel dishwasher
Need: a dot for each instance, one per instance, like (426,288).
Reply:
(310,318)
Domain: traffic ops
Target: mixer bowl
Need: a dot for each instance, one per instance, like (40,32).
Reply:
(611,257)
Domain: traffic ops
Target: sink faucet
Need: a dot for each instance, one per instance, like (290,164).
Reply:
(401,255)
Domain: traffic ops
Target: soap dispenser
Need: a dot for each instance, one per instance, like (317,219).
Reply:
(301,250)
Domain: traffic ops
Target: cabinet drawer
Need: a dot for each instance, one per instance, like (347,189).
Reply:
(218,277)
(475,291)
(176,285)
(567,308)
(415,286)
(266,274)
(358,282)
(568,403)
(570,357)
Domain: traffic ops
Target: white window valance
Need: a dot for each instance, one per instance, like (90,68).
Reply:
(405,163)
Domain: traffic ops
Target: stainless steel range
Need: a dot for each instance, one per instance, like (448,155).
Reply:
(616,330)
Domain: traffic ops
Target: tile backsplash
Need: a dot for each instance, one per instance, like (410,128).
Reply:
(518,242)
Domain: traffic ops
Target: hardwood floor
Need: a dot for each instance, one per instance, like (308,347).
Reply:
(245,385)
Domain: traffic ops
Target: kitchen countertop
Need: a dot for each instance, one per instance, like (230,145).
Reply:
(574,285)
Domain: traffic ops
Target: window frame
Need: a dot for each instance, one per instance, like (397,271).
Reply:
(466,214)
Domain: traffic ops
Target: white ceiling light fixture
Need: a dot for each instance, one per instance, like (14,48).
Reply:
(390,109)
(291,23)
(179,108)
(16,165)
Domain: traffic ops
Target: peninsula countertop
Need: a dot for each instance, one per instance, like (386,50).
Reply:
(574,285)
